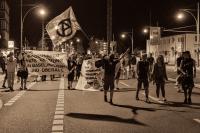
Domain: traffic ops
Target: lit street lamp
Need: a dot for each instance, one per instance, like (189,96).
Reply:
(130,34)
(145,31)
(23,19)
(78,40)
(42,13)
(196,18)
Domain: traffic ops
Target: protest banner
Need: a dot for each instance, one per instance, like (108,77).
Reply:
(46,62)
(91,76)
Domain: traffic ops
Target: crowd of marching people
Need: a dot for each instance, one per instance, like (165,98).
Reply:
(143,68)
(12,64)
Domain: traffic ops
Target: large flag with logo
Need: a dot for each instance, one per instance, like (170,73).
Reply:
(63,27)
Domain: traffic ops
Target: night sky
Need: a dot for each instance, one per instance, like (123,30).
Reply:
(91,15)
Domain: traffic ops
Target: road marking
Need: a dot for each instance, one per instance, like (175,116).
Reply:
(124,84)
(197,120)
(153,98)
(58,122)
(19,95)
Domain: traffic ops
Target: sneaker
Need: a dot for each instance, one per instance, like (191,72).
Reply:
(137,98)
(147,100)
(189,101)
(105,98)
(111,101)
(4,86)
(178,90)
(117,88)
(164,99)
(25,88)
(11,89)
(21,88)
(185,101)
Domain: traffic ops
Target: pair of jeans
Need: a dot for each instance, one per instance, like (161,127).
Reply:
(11,78)
(145,83)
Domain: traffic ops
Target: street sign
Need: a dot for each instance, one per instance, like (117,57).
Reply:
(11,44)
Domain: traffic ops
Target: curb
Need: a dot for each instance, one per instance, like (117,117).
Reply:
(174,80)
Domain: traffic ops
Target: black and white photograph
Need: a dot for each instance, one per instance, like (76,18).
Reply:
(99,66)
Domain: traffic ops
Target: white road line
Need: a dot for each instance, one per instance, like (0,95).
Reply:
(124,84)
(19,95)
(197,120)
(153,98)
(58,122)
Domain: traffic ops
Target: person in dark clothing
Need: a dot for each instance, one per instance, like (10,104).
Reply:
(23,74)
(151,61)
(188,70)
(109,64)
(5,79)
(178,78)
(71,68)
(2,62)
(78,67)
(133,64)
(159,76)
(143,73)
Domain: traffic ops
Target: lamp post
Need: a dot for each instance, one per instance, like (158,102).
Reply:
(130,34)
(23,19)
(42,13)
(145,31)
(196,18)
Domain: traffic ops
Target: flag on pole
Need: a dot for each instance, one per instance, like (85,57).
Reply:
(63,27)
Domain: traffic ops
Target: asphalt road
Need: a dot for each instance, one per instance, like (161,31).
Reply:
(50,107)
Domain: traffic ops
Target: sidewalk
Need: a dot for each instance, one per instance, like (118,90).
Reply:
(171,72)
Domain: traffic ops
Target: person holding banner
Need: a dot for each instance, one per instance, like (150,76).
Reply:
(109,64)
(71,68)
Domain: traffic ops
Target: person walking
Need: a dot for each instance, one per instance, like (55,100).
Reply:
(188,70)
(151,61)
(71,68)
(178,78)
(109,63)
(5,77)
(23,75)
(159,76)
(11,65)
(143,73)
(2,62)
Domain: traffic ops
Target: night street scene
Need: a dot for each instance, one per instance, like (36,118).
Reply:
(99,66)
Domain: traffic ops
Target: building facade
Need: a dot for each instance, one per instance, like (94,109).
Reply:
(172,46)
(4,24)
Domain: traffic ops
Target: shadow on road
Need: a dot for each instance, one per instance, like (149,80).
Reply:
(125,89)
(181,104)
(99,117)
(135,109)
(45,90)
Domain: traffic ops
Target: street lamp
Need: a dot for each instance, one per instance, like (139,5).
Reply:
(146,31)
(23,19)
(130,34)
(78,40)
(196,18)
(42,13)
